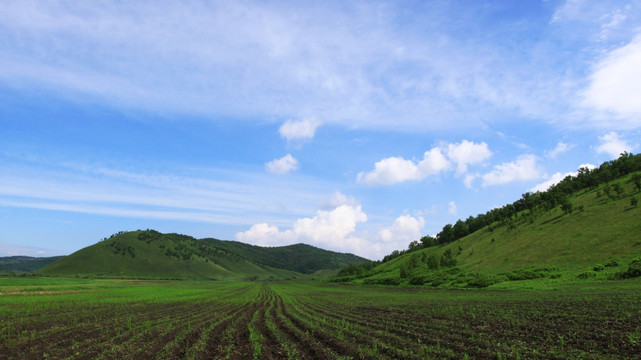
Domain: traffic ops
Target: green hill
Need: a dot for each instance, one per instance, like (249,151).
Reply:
(572,233)
(150,254)
(25,263)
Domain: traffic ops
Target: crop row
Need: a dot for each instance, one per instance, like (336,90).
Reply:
(319,321)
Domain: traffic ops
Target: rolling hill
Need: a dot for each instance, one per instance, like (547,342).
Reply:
(576,232)
(150,254)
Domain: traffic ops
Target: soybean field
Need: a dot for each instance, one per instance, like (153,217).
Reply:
(127,319)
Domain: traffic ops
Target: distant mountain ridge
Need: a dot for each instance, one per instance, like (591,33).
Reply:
(25,263)
(151,254)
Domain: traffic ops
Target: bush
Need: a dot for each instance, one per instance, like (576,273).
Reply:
(527,274)
(598,267)
(586,275)
(481,280)
(383,281)
(633,271)
(612,263)
(417,280)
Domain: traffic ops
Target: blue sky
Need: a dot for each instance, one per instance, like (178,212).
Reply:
(352,126)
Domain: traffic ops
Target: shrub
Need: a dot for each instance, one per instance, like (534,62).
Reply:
(481,280)
(633,271)
(586,275)
(612,263)
(417,280)
(527,274)
(383,281)
(598,267)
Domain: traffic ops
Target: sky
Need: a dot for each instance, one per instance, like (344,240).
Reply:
(354,126)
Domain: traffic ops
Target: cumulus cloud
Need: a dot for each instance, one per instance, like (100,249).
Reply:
(333,229)
(524,168)
(433,162)
(299,130)
(616,82)
(613,145)
(397,169)
(466,153)
(560,148)
(405,229)
(283,165)
(390,171)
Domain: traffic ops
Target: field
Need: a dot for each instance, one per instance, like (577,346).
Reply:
(107,319)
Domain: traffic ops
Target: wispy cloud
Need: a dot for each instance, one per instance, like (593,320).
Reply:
(382,66)
(216,196)
(560,148)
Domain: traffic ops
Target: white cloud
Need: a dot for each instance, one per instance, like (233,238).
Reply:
(466,153)
(299,130)
(283,165)
(333,229)
(612,145)
(560,148)
(390,171)
(433,163)
(215,196)
(524,168)
(615,85)
(354,64)
(469,179)
(451,208)
(405,229)
(397,169)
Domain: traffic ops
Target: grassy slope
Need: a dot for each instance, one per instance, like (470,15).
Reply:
(126,255)
(571,243)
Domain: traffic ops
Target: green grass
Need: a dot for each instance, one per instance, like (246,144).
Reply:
(562,247)
(102,319)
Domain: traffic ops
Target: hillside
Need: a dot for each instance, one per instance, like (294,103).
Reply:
(591,234)
(150,254)
(25,263)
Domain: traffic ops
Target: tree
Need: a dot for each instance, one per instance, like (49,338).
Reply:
(432,262)
(636,179)
(428,241)
(447,260)
(414,245)
(566,206)
(618,189)
(446,235)
(460,230)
